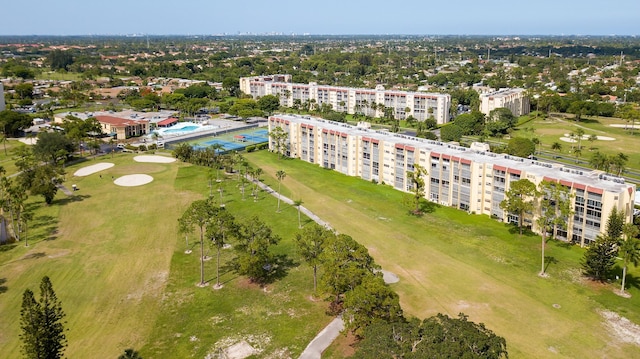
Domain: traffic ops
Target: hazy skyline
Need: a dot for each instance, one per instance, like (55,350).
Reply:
(330,17)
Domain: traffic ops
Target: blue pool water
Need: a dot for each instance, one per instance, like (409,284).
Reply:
(181,129)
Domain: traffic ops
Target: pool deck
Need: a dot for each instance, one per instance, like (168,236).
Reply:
(223,127)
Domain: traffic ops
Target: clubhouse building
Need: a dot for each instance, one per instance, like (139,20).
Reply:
(370,102)
(472,180)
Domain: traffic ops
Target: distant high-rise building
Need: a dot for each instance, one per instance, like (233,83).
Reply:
(2,105)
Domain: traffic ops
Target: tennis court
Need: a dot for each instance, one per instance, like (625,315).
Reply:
(233,141)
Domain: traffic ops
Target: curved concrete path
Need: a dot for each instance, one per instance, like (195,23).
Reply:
(288,200)
(323,339)
(330,332)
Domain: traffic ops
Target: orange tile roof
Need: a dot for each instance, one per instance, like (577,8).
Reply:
(117,121)
(168,121)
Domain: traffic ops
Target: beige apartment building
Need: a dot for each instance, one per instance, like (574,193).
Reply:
(123,128)
(371,102)
(474,181)
(512,99)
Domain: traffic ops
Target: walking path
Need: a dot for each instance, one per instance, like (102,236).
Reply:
(288,200)
(330,332)
(64,190)
(323,339)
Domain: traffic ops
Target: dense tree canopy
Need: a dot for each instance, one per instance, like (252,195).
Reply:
(60,60)
(451,132)
(254,258)
(12,123)
(52,147)
(439,336)
(521,147)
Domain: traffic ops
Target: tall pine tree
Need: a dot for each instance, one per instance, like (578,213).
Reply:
(41,323)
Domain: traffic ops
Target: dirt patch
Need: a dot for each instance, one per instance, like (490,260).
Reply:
(239,350)
(239,347)
(59,254)
(622,328)
(344,346)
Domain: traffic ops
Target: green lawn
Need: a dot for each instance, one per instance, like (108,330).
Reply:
(450,262)
(550,129)
(118,265)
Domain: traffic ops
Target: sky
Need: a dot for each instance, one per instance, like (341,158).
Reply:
(320,17)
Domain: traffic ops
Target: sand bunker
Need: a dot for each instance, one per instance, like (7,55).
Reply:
(566,138)
(154,159)
(29,141)
(85,171)
(133,180)
(625,126)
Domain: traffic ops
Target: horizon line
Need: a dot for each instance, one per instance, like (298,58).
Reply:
(279,34)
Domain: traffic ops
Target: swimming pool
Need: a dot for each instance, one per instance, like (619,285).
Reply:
(182,128)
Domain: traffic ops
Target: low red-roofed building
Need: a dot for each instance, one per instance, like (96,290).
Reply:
(123,128)
(168,122)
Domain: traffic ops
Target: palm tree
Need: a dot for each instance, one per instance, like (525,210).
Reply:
(112,142)
(618,161)
(572,138)
(630,253)
(591,139)
(221,226)
(577,152)
(280,175)
(298,203)
(256,179)
(536,143)
(217,148)
(579,134)
(24,222)
(556,146)
(199,214)
(221,189)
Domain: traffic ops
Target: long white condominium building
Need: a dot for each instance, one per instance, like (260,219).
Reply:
(457,176)
(513,99)
(371,102)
